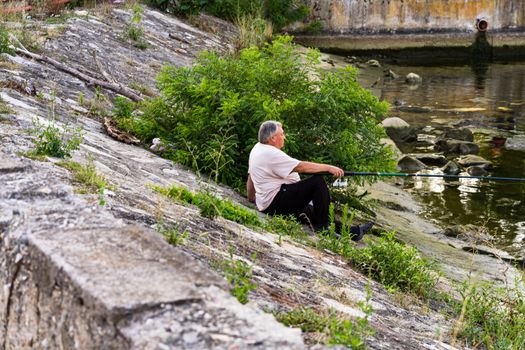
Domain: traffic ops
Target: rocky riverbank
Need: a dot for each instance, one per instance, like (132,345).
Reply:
(88,269)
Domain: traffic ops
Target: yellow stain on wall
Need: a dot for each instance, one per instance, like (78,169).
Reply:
(413,14)
(338,18)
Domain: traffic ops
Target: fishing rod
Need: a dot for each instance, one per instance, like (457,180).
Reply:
(486,178)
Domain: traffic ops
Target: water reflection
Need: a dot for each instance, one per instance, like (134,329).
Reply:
(479,69)
(468,185)
(489,98)
(432,184)
(491,95)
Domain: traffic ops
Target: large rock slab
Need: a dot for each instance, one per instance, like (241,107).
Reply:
(71,268)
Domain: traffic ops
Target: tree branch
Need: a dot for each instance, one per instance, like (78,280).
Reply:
(118,88)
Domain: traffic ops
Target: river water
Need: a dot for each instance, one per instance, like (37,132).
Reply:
(490,99)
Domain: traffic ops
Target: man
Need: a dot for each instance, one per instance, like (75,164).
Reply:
(276,188)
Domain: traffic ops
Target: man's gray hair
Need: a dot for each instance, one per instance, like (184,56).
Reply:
(267,130)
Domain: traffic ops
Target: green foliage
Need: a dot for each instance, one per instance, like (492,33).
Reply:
(494,317)
(4,42)
(285,225)
(346,195)
(86,176)
(308,319)
(173,234)
(314,27)
(395,265)
(279,12)
(211,206)
(284,12)
(216,107)
(253,31)
(239,274)
(123,113)
(335,329)
(4,108)
(134,30)
(52,140)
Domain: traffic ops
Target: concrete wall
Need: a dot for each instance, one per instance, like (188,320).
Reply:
(381,16)
(417,31)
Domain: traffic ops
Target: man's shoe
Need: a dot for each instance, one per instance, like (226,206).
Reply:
(359,231)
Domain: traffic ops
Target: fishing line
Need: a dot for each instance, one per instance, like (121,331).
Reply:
(444,176)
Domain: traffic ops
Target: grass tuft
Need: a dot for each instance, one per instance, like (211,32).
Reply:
(86,176)
(333,327)
(211,206)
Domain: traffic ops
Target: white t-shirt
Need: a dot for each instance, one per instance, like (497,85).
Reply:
(269,168)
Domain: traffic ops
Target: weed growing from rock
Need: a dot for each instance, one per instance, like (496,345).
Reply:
(4,108)
(134,31)
(81,98)
(239,274)
(173,234)
(253,31)
(334,328)
(5,44)
(490,316)
(86,176)
(211,206)
(55,141)
(395,265)
(286,225)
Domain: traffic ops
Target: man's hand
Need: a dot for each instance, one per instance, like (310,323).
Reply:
(335,171)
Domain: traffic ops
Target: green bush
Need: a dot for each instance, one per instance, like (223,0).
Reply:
(52,140)
(123,113)
(279,12)
(395,265)
(211,112)
(314,27)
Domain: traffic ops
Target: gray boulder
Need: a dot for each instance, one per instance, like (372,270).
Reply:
(516,143)
(431,159)
(477,170)
(410,164)
(473,160)
(463,134)
(456,147)
(451,168)
(413,79)
(399,130)
(391,74)
(373,63)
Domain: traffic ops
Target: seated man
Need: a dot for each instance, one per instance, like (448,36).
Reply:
(276,188)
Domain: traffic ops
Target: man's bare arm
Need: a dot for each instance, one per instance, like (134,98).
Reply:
(312,168)
(250,190)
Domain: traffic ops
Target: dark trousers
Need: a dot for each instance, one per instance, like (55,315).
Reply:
(294,199)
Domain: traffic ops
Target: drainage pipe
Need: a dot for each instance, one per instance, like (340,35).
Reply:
(482,24)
